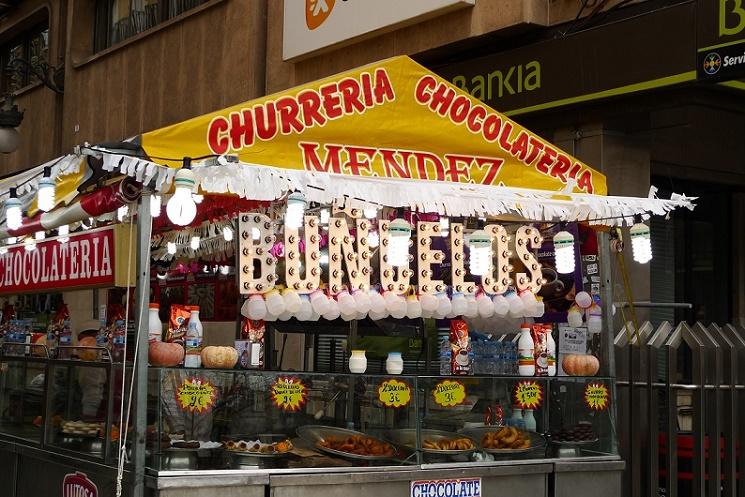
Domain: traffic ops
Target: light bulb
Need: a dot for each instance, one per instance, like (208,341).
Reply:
(370,213)
(224,270)
(197,198)
(444,226)
(398,250)
(564,252)
(181,208)
(171,248)
(155,205)
(480,253)
(39,236)
(13,214)
(45,196)
(641,243)
(63,233)
(122,212)
(3,250)
(295,210)
(227,233)
(325,216)
(373,239)
(194,243)
(12,240)
(29,244)
(255,233)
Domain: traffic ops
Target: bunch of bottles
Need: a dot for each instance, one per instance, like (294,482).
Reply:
(492,357)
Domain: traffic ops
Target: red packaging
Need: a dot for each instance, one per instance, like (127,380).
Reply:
(178,324)
(540,347)
(460,348)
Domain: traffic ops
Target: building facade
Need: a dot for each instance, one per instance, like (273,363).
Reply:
(648,91)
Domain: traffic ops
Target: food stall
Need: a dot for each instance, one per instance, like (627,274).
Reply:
(370,283)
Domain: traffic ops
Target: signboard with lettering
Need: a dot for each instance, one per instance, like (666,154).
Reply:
(78,485)
(721,39)
(88,259)
(311,26)
(455,487)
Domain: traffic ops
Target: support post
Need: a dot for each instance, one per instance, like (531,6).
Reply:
(142,298)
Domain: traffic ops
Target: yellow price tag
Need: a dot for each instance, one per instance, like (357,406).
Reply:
(449,393)
(289,393)
(528,395)
(597,396)
(196,395)
(394,393)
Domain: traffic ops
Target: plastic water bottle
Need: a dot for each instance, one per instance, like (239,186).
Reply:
(445,355)
(65,338)
(193,340)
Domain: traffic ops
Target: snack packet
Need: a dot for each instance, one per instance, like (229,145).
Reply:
(461,359)
(178,324)
(540,349)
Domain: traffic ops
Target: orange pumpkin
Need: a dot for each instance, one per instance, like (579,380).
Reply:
(39,351)
(88,354)
(165,354)
(580,364)
(219,357)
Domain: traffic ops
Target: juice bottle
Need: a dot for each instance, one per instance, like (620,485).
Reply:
(154,326)
(525,351)
(193,340)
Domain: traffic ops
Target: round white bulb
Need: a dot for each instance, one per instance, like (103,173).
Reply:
(370,213)
(12,240)
(181,208)
(3,250)
(194,243)
(171,248)
(29,244)
(225,270)
(398,246)
(227,233)
(45,195)
(13,214)
(63,233)
(198,199)
(296,205)
(325,216)
(155,205)
(373,239)
(564,252)
(39,236)
(444,226)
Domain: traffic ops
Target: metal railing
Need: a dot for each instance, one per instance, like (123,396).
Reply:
(681,393)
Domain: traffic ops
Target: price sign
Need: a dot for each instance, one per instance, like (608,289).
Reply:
(449,393)
(289,393)
(196,395)
(597,396)
(394,393)
(528,395)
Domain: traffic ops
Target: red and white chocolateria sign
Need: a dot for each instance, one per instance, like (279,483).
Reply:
(78,485)
(86,260)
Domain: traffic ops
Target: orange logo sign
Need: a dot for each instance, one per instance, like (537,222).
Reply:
(317,11)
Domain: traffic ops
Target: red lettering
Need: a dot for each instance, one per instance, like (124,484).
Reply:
(504,137)
(456,172)
(331,100)
(562,166)
(423,90)
(312,162)
(494,166)
(441,99)
(394,169)
(575,169)
(459,110)
(350,95)
(424,158)
(520,146)
(367,92)
(355,164)
(216,139)
(476,119)
(585,181)
(310,102)
(241,129)
(492,123)
(536,147)
(265,118)
(383,88)
(548,157)
(288,115)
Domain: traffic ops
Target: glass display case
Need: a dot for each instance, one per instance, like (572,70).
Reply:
(207,419)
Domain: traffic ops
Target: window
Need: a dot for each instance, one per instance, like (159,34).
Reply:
(31,46)
(117,20)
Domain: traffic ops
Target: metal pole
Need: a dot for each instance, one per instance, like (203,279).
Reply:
(606,296)
(142,298)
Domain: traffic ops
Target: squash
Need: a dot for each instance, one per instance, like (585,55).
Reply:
(39,351)
(88,354)
(219,357)
(165,354)
(580,364)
